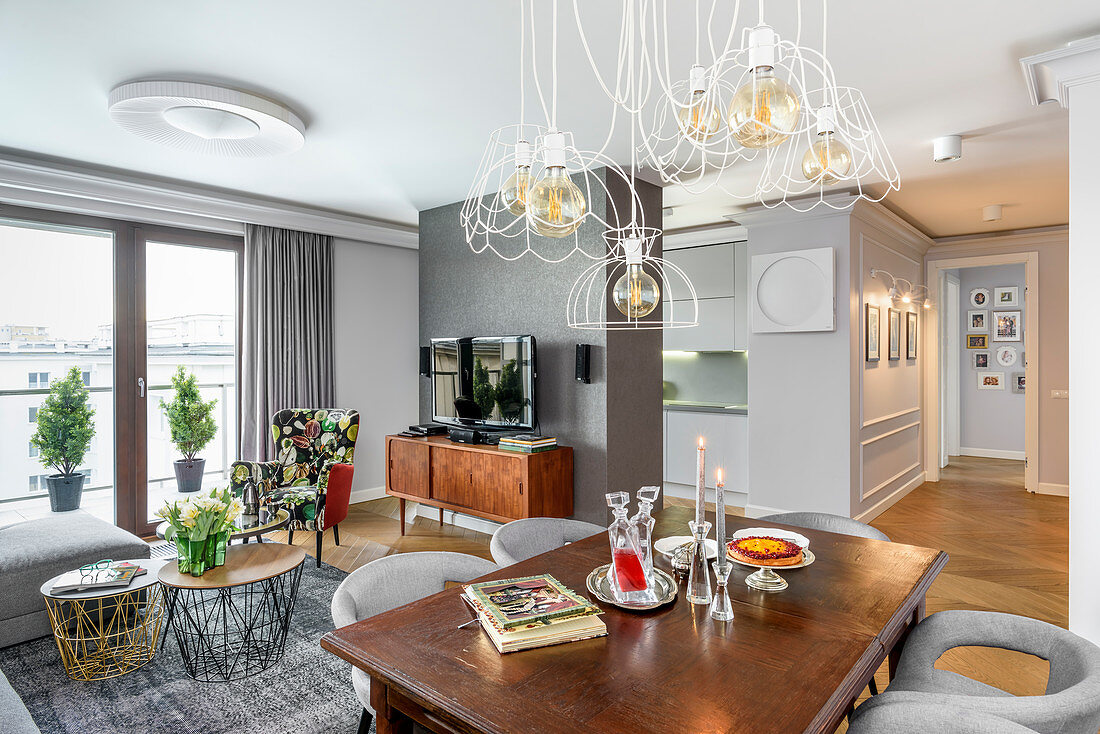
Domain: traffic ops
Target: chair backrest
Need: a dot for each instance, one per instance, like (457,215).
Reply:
(393,581)
(306,439)
(522,539)
(887,713)
(829,523)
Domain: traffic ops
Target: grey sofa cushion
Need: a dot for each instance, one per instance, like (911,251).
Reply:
(14,717)
(34,551)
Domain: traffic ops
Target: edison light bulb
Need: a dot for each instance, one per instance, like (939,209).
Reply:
(764,111)
(636,293)
(827,161)
(555,206)
(699,119)
(514,192)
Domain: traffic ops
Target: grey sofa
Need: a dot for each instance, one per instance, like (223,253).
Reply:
(34,551)
(13,714)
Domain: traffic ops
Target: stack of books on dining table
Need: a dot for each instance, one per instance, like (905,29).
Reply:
(534,611)
(527,443)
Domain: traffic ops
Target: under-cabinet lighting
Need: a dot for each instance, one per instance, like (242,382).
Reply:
(678,353)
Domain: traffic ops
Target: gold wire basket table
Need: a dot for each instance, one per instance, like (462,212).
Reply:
(105,633)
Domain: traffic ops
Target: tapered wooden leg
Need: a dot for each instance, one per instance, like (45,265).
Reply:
(387,720)
(440,517)
(336,534)
(401,513)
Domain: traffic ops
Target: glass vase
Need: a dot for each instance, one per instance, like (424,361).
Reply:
(221,542)
(191,556)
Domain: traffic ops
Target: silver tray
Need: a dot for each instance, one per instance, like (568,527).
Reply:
(600,587)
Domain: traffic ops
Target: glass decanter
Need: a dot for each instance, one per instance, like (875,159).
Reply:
(643,521)
(629,580)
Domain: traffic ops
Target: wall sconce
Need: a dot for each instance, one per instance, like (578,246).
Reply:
(909,293)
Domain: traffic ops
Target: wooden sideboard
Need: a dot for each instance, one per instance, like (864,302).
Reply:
(483,481)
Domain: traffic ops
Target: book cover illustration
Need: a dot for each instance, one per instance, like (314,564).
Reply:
(534,599)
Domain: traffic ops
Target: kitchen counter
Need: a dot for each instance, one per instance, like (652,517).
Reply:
(689,406)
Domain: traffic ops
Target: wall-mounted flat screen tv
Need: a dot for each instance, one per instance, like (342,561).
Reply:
(486,381)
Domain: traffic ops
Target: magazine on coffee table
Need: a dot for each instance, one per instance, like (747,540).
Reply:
(115,576)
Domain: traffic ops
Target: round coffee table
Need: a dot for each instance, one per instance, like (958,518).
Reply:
(232,621)
(105,633)
(251,526)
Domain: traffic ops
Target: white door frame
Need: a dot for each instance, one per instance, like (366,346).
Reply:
(933,386)
(949,403)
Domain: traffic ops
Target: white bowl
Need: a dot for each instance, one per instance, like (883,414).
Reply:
(665,546)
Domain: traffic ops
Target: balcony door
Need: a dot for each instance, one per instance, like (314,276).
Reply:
(126,305)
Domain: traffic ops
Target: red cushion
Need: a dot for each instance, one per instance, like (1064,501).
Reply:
(338,494)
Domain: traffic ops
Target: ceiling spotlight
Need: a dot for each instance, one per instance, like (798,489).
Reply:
(906,299)
(927,303)
(992,213)
(205,118)
(947,148)
(893,294)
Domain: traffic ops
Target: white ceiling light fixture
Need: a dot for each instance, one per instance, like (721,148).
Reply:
(204,118)
(992,213)
(947,148)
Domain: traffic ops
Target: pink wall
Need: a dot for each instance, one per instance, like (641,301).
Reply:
(1052,245)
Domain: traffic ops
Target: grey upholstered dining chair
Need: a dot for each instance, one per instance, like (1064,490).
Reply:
(880,715)
(392,581)
(829,523)
(522,539)
(1072,700)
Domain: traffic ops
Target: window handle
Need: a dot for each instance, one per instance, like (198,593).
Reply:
(141,387)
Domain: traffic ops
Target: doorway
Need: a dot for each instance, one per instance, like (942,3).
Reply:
(983,360)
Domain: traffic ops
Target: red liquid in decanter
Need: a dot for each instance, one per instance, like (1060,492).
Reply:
(628,570)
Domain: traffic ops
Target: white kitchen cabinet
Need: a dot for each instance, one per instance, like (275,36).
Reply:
(719,274)
(717,329)
(725,437)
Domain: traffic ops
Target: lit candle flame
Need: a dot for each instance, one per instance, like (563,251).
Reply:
(719,473)
(700,442)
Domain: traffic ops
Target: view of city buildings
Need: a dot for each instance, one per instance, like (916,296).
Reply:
(30,358)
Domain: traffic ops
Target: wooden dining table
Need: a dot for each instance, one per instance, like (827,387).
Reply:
(790,661)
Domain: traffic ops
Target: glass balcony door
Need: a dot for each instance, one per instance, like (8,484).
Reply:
(191,303)
(57,308)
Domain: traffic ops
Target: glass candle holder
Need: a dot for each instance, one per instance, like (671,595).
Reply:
(721,608)
(699,577)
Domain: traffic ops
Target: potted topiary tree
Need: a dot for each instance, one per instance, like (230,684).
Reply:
(63,436)
(190,419)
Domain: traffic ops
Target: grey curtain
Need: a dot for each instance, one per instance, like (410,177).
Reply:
(286,359)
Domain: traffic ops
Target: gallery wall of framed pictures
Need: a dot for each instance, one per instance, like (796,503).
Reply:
(994,329)
(902,334)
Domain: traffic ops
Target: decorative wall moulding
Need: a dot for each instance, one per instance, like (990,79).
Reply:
(71,187)
(794,291)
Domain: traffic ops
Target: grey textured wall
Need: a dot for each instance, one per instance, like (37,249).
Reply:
(468,294)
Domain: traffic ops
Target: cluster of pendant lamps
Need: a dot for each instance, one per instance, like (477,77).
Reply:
(751,106)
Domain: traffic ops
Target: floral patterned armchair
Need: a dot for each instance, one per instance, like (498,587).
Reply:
(311,475)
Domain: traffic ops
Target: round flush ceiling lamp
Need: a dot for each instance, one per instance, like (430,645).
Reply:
(204,118)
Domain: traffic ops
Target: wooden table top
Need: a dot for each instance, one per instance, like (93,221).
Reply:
(244,564)
(787,662)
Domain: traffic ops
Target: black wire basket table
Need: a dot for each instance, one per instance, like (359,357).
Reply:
(232,621)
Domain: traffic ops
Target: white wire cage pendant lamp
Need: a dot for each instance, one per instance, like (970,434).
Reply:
(632,289)
(534,188)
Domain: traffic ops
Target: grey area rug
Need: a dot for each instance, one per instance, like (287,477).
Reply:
(308,691)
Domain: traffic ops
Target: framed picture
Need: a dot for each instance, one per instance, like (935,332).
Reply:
(1017,382)
(910,335)
(991,380)
(977,341)
(976,321)
(981,360)
(894,345)
(874,350)
(1006,356)
(1006,326)
(1006,296)
(979,297)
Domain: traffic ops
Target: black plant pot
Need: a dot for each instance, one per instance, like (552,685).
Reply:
(189,474)
(65,491)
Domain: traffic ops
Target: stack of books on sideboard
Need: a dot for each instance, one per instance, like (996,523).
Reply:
(534,611)
(528,443)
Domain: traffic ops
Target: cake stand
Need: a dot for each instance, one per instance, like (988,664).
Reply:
(765,578)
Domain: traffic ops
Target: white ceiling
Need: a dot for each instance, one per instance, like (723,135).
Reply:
(399,97)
